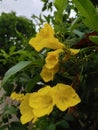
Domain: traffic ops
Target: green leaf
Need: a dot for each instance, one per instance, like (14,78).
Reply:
(77,32)
(88,12)
(32,82)
(60,5)
(74,23)
(10,110)
(13,70)
(51,127)
(12,49)
(4,54)
(94,39)
(58,17)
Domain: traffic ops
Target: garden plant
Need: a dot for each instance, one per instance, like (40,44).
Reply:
(53,84)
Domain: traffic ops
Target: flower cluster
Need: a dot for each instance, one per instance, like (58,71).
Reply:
(45,39)
(42,102)
(37,104)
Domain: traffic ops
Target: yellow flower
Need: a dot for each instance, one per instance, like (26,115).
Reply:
(26,110)
(18,97)
(45,39)
(52,65)
(42,102)
(65,96)
(48,74)
(52,58)
(74,51)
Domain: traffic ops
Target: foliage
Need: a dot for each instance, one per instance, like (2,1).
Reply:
(14,28)
(14,35)
(77,69)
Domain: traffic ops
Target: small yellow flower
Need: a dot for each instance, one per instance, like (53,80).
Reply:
(17,97)
(65,96)
(45,39)
(52,58)
(42,102)
(74,51)
(52,65)
(48,74)
(26,111)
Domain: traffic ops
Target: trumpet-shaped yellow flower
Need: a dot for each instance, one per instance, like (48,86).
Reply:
(45,39)
(26,110)
(52,58)
(17,97)
(48,74)
(42,102)
(52,65)
(65,96)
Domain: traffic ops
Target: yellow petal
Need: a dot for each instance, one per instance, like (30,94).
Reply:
(25,118)
(74,51)
(34,100)
(37,98)
(45,39)
(47,31)
(52,58)
(26,110)
(45,90)
(16,96)
(65,96)
(48,74)
(40,43)
(42,102)
(43,110)
(34,119)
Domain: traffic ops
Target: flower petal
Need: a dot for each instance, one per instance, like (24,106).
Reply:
(47,31)
(74,51)
(16,96)
(42,102)
(41,43)
(52,58)
(65,96)
(25,118)
(43,110)
(26,110)
(45,39)
(48,74)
